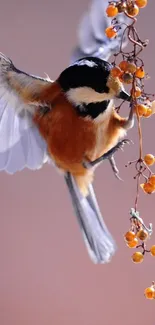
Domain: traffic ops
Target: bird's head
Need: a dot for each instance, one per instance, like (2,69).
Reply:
(89,81)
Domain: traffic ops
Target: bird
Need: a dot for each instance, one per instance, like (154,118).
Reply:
(72,123)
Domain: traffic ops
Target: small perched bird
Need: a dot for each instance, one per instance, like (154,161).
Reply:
(73,123)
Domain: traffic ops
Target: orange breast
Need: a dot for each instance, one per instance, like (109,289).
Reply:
(110,132)
(69,137)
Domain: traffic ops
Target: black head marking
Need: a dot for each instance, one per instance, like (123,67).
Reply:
(87,72)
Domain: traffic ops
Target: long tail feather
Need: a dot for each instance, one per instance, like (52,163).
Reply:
(99,242)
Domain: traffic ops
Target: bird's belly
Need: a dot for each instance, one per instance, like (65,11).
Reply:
(108,133)
(70,139)
(70,150)
(100,142)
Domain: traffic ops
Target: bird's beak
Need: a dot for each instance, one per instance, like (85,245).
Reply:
(125,96)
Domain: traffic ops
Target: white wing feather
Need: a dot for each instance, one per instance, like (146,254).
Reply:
(21,145)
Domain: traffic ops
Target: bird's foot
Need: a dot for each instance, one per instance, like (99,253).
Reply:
(110,156)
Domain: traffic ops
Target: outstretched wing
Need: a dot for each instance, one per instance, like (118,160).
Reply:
(21,145)
(92,40)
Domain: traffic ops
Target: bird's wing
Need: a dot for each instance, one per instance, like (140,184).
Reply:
(20,142)
(92,40)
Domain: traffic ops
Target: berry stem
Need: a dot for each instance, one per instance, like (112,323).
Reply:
(140,137)
(137,192)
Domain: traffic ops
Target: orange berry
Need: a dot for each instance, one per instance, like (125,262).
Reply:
(152,250)
(136,92)
(120,77)
(111,11)
(149,159)
(137,257)
(115,72)
(110,32)
(147,188)
(131,67)
(149,293)
(132,10)
(152,180)
(148,113)
(130,236)
(141,3)
(140,73)
(142,234)
(133,243)
(121,7)
(127,78)
(123,65)
(141,109)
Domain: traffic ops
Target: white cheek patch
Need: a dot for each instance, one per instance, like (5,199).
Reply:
(86,95)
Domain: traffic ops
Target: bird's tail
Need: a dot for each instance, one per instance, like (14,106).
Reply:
(99,242)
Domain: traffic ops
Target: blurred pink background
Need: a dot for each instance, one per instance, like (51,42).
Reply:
(46,276)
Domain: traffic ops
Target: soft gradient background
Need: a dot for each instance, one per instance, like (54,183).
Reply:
(46,276)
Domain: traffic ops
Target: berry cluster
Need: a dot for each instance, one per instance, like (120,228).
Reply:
(130,8)
(125,71)
(130,70)
(137,237)
(149,186)
(128,67)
